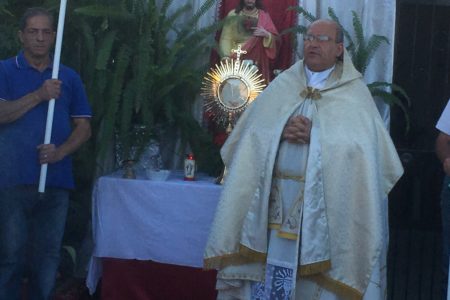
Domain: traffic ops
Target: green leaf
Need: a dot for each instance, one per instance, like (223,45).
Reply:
(105,49)
(301,11)
(98,10)
(394,88)
(123,60)
(359,32)
(72,254)
(351,48)
(392,100)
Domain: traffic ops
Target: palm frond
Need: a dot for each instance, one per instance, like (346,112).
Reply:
(395,88)
(165,6)
(201,11)
(96,90)
(359,31)
(301,11)
(169,22)
(126,110)
(391,100)
(142,73)
(347,36)
(123,60)
(88,40)
(4,11)
(196,45)
(105,49)
(372,46)
(98,10)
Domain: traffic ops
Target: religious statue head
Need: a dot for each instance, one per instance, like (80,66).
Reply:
(249,5)
(323,45)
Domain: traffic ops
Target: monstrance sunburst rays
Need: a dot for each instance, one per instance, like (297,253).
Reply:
(229,88)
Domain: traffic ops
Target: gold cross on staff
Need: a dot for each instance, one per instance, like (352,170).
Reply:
(238,52)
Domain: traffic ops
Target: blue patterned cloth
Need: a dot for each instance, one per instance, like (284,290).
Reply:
(277,286)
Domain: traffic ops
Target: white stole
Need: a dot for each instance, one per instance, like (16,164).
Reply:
(297,214)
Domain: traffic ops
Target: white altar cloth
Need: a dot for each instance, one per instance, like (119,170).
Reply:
(163,221)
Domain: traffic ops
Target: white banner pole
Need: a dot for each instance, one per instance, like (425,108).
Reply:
(51,103)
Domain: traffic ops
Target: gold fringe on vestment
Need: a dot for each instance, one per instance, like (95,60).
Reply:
(245,255)
(287,235)
(314,268)
(342,290)
(274,226)
(279,175)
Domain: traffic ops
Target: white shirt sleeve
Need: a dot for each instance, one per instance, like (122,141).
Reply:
(443,123)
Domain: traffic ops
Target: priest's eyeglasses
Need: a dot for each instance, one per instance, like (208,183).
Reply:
(320,38)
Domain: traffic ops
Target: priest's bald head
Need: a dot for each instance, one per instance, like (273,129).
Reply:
(323,45)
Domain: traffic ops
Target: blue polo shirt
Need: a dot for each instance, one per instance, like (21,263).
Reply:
(19,163)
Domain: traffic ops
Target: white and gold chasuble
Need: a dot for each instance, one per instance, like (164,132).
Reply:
(316,213)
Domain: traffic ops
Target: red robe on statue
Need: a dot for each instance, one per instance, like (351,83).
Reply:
(239,31)
(256,50)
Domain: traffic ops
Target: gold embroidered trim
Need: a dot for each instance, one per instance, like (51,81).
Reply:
(279,175)
(314,268)
(254,13)
(287,235)
(274,226)
(244,256)
(311,93)
(255,256)
(342,290)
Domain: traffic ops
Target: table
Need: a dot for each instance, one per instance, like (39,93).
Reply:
(163,221)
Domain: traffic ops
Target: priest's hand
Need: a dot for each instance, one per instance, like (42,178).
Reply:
(48,154)
(297,130)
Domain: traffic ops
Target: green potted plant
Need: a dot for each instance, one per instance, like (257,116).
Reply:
(144,69)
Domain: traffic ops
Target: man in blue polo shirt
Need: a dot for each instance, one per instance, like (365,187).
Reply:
(32,225)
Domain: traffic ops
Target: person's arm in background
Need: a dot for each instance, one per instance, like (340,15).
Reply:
(443,151)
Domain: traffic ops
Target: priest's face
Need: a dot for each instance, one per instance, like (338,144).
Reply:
(320,49)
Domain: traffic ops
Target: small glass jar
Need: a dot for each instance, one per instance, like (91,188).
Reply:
(189,167)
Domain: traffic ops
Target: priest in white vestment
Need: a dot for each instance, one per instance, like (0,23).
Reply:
(303,210)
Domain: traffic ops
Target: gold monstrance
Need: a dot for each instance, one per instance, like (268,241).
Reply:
(229,88)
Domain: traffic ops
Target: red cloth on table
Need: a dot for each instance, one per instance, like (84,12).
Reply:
(147,280)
